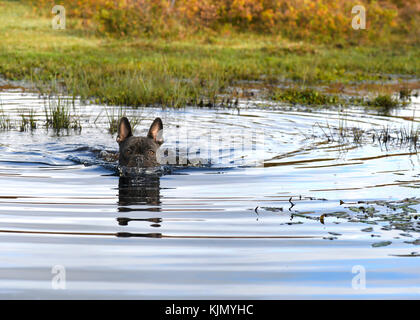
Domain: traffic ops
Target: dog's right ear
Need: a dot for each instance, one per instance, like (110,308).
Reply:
(155,131)
(124,130)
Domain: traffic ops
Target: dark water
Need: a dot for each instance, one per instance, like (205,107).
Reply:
(294,215)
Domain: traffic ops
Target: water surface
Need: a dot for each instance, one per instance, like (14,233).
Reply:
(291,216)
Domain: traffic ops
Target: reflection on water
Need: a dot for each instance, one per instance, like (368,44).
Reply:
(290,220)
(138,190)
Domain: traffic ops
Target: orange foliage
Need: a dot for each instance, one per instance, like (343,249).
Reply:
(299,19)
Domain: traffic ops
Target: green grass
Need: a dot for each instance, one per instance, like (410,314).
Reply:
(402,137)
(27,121)
(311,97)
(5,123)
(405,94)
(304,96)
(385,103)
(113,117)
(58,115)
(175,73)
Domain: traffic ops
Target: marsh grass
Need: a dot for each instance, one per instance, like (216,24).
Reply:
(24,123)
(58,115)
(5,122)
(134,88)
(385,136)
(180,72)
(311,97)
(405,94)
(113,117)
(27,121)
(304,96)
(385,103)
(32,120)
(403,136)
(409,135)
(357,134)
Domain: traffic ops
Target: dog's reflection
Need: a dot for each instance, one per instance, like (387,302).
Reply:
(139,190)
(135,193)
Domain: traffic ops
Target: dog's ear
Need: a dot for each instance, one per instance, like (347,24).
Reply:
(124,130)
(155,131)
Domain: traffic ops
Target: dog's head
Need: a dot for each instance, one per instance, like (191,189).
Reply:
(139,151)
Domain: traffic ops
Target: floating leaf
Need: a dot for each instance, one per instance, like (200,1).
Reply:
(381,244)
(370,229)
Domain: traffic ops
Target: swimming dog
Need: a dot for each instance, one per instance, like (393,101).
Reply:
(139,151)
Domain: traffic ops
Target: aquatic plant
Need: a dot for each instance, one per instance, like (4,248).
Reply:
(32,120)
(5,123)
(23,123)
(405,93)
(399,215)
(305,96)
(58,115)
(385,102)
(409,135)
(385,136)
(27,121)
(114,117)
(357,134)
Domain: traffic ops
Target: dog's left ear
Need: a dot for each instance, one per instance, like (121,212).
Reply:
(155,131)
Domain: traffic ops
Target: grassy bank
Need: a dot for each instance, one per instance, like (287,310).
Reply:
(146,71)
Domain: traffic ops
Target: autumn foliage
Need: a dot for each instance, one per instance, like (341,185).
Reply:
(325,20)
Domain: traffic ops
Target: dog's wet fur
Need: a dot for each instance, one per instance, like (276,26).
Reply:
(139,151)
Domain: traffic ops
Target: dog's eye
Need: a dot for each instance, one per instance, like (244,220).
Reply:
(151,152)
